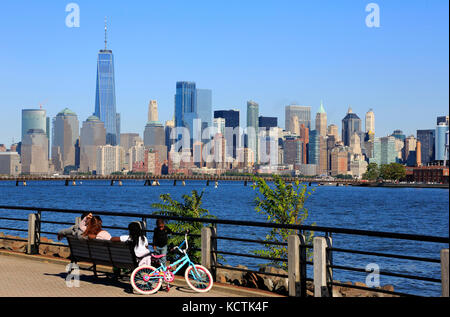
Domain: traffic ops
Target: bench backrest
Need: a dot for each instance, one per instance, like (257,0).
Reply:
(102,252)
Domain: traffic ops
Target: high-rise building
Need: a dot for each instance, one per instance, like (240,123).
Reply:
(334,131)
(35,153)
(204,107)
(185,104)
(168,127)
(314,147)
(109,159)
(398,134)
(442,119)
(303,114)
(384,151)
(232,123)
(339,160)
(66,135)
(441,142)
(265,123)
(293,151)
(253,128)
(92,135)
(33,119)
(410,146)
(350,124)
(105,95)
(426,138)
(304,137)
(155,134)
(321,121)
(152,111)
(10,164)
(370,122)
(294,126)
(219,125)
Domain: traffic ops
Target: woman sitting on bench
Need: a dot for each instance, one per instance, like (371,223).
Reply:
(94,230)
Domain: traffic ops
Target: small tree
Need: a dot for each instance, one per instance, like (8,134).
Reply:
(283,204)
(190,207)
(372,172)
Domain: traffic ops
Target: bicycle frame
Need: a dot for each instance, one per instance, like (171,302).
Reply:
(184,260)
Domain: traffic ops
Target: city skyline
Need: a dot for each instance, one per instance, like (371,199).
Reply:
(78,95)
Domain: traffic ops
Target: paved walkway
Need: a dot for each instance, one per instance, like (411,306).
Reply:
(30,276)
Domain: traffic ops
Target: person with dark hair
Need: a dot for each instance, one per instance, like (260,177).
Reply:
(76,230)
(160,238)
(94,230)
(136,237)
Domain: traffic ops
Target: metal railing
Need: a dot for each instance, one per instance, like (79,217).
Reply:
(327,233)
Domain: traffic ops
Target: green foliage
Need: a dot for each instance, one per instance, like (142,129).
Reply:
(283,204)
(372,173)
(190,207)
(393,171)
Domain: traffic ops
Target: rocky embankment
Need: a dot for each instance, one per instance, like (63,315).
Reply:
(226,276)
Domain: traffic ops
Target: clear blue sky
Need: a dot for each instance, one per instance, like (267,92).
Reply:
(272,52)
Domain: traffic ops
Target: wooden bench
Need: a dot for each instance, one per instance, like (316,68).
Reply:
(102,252)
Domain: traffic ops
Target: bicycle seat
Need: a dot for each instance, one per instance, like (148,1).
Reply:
(158,256)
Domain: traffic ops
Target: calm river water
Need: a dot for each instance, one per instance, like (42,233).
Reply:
(401,210)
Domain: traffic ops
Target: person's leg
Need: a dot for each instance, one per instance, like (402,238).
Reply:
(66,232)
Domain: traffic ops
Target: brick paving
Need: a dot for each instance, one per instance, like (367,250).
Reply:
(25,277)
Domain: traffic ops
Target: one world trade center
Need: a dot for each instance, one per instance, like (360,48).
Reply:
(105,95)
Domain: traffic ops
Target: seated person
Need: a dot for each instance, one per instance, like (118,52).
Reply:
(136,236)
(94,230)
(76,230)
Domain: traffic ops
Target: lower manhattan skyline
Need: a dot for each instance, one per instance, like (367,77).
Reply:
(305,54)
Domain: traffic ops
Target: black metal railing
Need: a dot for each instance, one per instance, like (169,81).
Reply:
(300,229)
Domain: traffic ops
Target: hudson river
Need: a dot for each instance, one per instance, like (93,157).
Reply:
(400,210)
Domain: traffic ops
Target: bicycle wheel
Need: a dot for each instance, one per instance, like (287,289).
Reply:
(146,280)
(200,281)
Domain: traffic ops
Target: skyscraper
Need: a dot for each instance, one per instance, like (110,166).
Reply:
(35,152)
(92,135)
(232,119)
(253,128)
(303,114)
(426,139)
(105,95)
(33,119)
(370,121)
(441,141)
(66,133)
(185,104)
(350,124)
(384,151)
(321,121)
(204,107)
(154,133)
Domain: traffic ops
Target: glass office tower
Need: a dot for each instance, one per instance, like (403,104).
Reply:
(253,122)
(105,96)
(441,141)
(186,105)
(204,107)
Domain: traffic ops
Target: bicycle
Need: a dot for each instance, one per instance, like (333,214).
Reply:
(147,280)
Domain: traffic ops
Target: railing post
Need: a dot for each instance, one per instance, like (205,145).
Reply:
(33,233)
(322,274)
(296,266)
(444,273)
(209,245)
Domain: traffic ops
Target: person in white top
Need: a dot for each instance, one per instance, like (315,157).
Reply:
(139,242)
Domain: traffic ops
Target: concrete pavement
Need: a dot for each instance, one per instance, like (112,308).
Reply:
(38,276)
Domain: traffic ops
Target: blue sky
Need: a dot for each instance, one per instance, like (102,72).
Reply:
(273,52)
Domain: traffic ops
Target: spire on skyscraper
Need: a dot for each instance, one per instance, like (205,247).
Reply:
(106,33)
(321,109)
